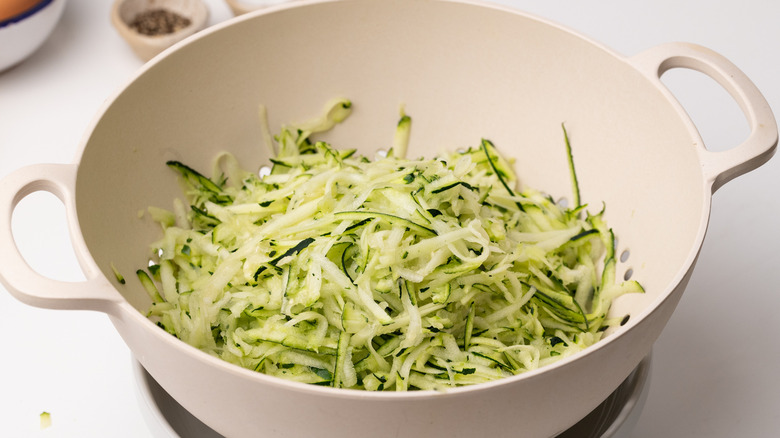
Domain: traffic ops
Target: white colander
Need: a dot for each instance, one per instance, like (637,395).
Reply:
(463,71)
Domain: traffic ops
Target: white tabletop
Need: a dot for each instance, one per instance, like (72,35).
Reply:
(714,371)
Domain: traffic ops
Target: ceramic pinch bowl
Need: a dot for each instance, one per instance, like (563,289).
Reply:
(151,26)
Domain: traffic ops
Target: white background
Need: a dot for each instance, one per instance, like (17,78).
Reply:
(715,367)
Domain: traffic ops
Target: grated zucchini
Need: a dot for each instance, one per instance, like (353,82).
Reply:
(393,274)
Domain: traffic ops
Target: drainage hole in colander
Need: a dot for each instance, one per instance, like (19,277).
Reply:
(563,202)
(624,255)
(629,273)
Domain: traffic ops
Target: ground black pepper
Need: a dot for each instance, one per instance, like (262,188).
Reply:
(158,22)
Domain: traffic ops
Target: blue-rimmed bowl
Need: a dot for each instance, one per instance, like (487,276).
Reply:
(22,34)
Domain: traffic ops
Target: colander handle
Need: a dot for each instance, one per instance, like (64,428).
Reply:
(723,166)
(21,280)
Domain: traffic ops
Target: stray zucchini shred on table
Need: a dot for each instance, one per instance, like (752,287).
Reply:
(45,419)
(390,274)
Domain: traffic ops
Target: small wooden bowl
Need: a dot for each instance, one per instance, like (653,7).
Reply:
(124,12)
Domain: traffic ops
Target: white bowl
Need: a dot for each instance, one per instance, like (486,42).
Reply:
(240,7)
(22,34)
